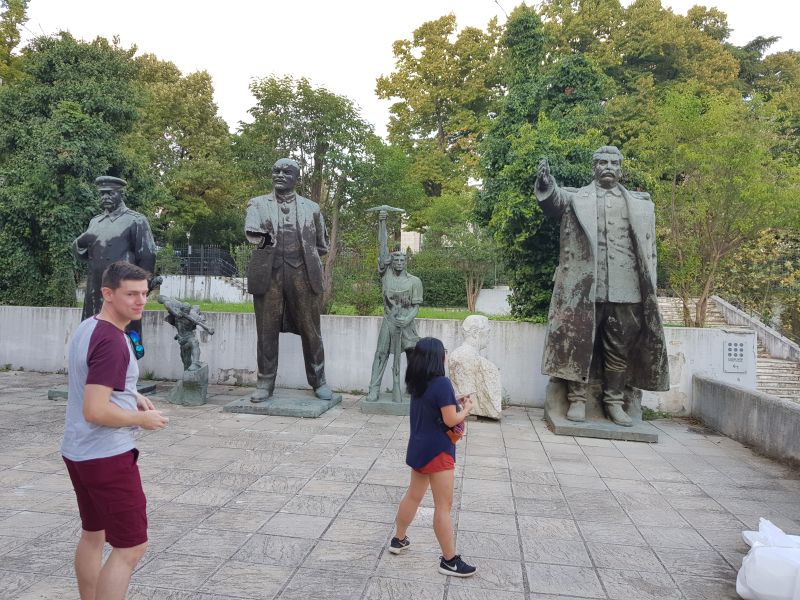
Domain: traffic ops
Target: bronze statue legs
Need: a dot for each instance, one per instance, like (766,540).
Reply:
(617,328)
(288,305)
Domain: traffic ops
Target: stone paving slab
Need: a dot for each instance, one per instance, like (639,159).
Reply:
(251,506)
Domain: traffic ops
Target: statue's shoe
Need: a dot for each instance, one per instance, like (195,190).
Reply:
(618,415)
(260,395)
(577,411)
(323,392)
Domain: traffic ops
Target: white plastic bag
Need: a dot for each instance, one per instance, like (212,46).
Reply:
(770,535)
(771,570)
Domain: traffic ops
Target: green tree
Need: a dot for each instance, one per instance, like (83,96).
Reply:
(445,85)
(553,110)
(323,131)
(63,125)
(188,148)
(763,277)
(719,183)
(454,231)
(14,15)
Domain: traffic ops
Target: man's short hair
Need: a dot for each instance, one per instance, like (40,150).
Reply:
(606,150)
(399,253)
(120,271)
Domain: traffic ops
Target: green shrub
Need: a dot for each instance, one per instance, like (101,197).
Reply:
(442,279)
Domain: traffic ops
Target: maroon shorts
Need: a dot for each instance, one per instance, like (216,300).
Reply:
(110,497)
(441,462)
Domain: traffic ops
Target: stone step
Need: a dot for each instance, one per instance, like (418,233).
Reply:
(773,371)
(782,394)
(779,377)
(782,391)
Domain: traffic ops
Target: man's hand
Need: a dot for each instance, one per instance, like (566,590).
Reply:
(153,419)
(86,240)
(144,403)
(269,240)
(383,215)
(543,179)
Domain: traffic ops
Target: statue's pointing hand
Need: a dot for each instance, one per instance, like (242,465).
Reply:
(543,179)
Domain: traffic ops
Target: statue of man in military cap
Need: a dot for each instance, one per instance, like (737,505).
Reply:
(604,326)
(285,277)
(118,233)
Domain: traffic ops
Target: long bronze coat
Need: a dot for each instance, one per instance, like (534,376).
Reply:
(263,216)
(571,329)
(123,234)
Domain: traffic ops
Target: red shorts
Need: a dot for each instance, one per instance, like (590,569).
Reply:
(110,497)
(442,462)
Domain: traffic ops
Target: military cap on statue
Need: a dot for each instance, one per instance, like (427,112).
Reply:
(106,181)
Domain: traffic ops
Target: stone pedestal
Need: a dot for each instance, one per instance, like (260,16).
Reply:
(63,393)
(384,405)
(285,403)
(596,425)
(192,390)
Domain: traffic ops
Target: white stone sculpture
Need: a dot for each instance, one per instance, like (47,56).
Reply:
(470,372)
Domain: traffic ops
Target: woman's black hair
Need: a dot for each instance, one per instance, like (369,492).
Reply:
(425,362)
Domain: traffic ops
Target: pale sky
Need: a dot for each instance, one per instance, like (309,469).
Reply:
(343,45)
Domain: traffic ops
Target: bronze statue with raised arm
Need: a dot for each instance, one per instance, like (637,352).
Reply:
(604,326)
(402,295)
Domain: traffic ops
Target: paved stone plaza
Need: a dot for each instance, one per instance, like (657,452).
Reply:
(245,506)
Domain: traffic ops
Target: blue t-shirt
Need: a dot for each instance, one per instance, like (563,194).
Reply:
(428,438)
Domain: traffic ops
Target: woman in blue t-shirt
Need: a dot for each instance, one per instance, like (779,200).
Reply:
(431,454)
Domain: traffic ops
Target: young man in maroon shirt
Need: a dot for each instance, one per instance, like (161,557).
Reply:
(104,409)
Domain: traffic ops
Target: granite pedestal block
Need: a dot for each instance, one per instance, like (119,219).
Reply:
(285,403)
(596,425)
(192,390)
(384,405)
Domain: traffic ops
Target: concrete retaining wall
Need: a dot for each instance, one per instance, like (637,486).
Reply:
(777,345)
(767,423)
(37,338)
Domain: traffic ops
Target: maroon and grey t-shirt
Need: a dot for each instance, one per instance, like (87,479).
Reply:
(99,353)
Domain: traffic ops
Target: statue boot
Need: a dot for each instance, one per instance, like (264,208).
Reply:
(324,392)
(373,393)
(264,388)
(576,395)
(614,397)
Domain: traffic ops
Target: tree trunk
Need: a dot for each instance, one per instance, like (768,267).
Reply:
(687,313)
(333,247)
(708,287)
(474,283)
(316,175)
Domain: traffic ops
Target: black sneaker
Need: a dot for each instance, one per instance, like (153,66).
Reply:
(397,546)
(456,567)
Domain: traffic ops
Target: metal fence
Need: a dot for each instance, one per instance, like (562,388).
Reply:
(199,259)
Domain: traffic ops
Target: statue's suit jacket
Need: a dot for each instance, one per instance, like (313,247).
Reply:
(571,324)
(263,216)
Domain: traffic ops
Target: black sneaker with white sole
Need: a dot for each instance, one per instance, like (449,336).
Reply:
(455,567)
(397,546)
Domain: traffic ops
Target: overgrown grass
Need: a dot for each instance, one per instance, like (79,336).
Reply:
(242,307)
(648,414)
(425,312)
